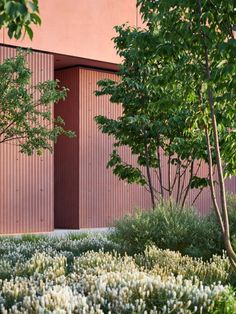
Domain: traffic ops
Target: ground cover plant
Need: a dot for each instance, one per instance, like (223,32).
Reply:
(86,274)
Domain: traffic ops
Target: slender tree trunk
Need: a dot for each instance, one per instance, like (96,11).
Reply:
(148,172)
(211,178)
(189,184)
(226,234)
(160,171)
(176,176)
(169,175)
(196,197)
(178,185)
(224,208)
(183,176)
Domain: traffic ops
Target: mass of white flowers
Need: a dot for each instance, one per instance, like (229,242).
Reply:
(88,276)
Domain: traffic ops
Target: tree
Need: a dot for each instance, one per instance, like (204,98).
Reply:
(25,110)
(154,131)
(200,37)
(18,15)
(195,48)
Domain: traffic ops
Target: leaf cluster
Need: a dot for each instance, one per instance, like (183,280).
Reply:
(154,115)
(187,34)
(18,15)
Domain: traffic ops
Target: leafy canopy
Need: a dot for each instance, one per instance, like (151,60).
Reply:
(196,41)
(185,51)
(153,123)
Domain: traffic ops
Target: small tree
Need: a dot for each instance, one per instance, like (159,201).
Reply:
(194,49)
(199,35)
(18,15)
(154,131)
(25,110)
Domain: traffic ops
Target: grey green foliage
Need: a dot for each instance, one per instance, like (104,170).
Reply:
(48,275)
(26,109)
(170,227)
(18,16)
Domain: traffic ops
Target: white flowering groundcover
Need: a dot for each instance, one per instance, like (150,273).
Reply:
(64,275)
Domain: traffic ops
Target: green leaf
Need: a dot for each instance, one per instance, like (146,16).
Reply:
(29,32)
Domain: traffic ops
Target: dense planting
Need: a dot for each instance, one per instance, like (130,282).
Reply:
(162,261)
(170,227)
(49,275)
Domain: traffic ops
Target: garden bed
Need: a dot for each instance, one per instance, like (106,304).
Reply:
(86,274)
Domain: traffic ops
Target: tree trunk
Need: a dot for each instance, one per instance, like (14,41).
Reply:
(189,184)
(148,172)
(160,172)
(212,187)
(225,217)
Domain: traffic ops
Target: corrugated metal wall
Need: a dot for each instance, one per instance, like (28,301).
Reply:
(66,161)
(26,183)
(103,197)
(87,194)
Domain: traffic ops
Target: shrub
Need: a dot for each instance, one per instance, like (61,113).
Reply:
(169,227)
(77,236)
(231,202)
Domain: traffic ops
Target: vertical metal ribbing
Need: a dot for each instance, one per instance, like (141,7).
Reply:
(103,197)
(86,193)
(26,183)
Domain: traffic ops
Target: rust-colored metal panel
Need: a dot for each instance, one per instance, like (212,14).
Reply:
(26,183)
(87,194)
(103,197)
(67,154)
(231,185)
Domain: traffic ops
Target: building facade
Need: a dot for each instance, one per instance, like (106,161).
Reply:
(72,187)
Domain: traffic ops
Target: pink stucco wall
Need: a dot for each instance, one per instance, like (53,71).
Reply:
(81,28)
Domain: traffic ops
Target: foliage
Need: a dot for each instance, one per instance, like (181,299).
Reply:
(169,227)
(180,66)
(25,109)
(165,262)
(231,203)
(14,251)
(198,28)
(155,131)
(18,15)
(226,303)
(45,277)
(196,39)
